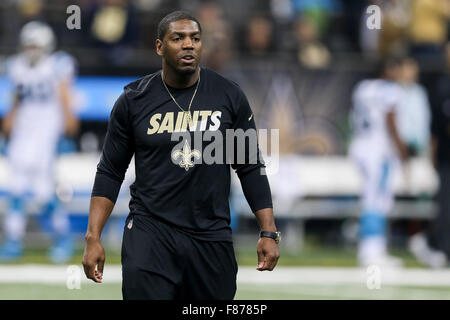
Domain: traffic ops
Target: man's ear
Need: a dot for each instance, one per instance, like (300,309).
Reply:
(159,47)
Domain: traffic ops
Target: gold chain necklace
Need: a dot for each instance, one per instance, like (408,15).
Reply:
(188,111)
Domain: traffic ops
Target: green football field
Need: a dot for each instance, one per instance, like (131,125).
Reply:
(244,292)
(310,255)
(316,272)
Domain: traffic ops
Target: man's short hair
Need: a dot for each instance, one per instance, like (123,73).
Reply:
(174,16)
(387,63)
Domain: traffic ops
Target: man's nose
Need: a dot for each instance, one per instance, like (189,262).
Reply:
(188,43)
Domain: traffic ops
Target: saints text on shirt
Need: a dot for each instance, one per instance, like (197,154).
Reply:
(201,120)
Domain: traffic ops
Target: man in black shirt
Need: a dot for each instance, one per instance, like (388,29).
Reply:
(177,240)
(440,131)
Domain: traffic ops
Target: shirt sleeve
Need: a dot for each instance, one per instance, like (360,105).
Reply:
(392,98)
(118,149)
(65,66)
(251,171)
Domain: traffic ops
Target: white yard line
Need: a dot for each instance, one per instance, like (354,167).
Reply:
(327,276)
(48,274)
(302,291)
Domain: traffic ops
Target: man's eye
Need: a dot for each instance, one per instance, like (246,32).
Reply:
(197,39)
(176,39)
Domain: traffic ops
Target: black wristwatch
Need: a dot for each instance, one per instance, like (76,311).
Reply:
(274,235)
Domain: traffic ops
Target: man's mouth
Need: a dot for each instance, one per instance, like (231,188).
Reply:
(188,59)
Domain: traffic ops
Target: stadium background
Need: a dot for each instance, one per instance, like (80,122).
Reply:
(297,61)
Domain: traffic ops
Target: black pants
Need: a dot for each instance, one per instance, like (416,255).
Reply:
(160,262)
(439,231)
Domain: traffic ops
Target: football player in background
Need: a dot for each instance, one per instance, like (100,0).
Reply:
(414,121)
(39,116)
(413,118)
(375,148)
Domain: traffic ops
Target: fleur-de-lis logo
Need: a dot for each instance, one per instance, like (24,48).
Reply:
(186,155)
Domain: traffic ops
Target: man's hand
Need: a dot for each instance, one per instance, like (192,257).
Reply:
(70,121)
(401,147)
(404,154)
(7,124)
(71,125)
(8,120)
(94,256)
(268,254)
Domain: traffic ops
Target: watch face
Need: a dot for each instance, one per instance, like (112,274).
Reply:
(278,239)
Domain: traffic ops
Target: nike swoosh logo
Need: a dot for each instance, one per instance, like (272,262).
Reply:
(250,118)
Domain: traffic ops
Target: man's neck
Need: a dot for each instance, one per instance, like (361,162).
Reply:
(175,79)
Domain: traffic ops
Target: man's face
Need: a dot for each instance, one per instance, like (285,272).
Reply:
(181,46)
(33,53)
(410,71)
(393,72)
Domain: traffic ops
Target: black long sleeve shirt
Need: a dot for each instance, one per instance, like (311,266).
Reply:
(440,120)
(192,198)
